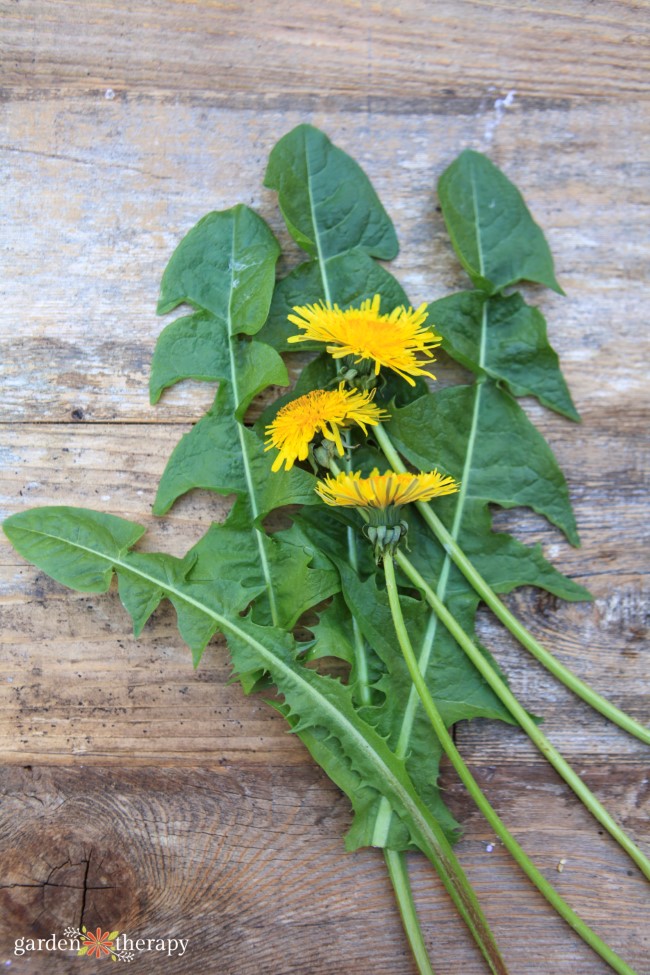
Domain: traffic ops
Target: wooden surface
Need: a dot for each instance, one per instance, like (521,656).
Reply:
(146,797)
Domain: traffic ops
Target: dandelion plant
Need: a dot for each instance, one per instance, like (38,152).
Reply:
(386,548)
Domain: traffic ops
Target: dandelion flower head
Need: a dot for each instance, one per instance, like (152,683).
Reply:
(392,341)
(324,412)
(383,490)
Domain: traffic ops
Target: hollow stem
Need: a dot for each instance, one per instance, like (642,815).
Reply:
(395,861)
(520,715)
(501,611)
(468,780)
(398,873)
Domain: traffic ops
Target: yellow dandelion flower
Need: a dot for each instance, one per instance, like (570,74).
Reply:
(383,490)
(391,340)
(323,412)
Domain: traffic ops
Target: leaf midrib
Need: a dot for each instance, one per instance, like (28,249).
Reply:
(314,223)
(477,224)
(248,474)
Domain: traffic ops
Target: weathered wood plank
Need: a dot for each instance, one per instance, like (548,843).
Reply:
(77,687)
(374,54)
(86,327)
(247,864)
(121,126)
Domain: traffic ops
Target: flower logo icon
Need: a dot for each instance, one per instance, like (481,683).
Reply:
(98,944)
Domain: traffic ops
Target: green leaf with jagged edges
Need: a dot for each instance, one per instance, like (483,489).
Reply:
(496,239)
(220,454)
(503,561)
(199,347)
(499,457)
(332,634)
(458,689)
(515,348)
(84,549)
(224,267)
(300,579)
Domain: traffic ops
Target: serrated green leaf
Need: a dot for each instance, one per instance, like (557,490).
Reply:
(503,561)
(315,704)
(220,454)
(499,457)
(192,347)
(299,578)
(199,347)
(208,457)
(224,265)
(141,599)
(496,239)
(326,199)
(42,539)
(333,632)
(456,686)
(514,349)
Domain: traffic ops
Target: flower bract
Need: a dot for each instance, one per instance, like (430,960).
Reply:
(383,490)
(393,340)
(324,412)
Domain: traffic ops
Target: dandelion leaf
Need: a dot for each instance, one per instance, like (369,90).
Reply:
(515,351)
(224,265)
(326,199)
(495,237)
(498,456)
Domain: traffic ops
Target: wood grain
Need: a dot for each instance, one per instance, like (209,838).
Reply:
(138,793)
(367,54)
(202,854)
(105,466)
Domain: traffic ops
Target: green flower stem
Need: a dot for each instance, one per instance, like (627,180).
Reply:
(520,715)
(468,780)
(360,656)
(395,861)
(398,873)
(502,612)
